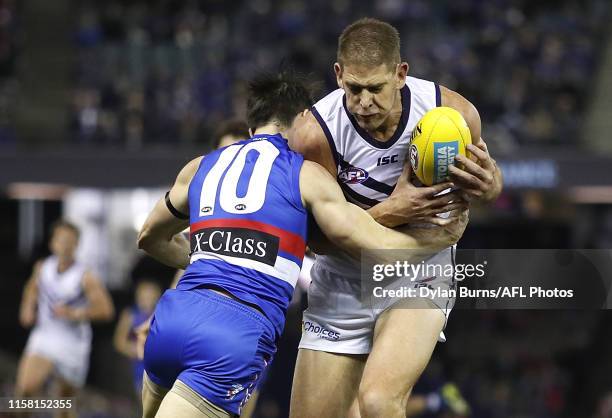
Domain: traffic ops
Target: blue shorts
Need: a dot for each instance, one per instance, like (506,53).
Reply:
(215,345)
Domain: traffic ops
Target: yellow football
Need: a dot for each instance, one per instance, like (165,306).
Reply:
(437,138)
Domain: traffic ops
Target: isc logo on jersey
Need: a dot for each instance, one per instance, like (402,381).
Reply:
(438,137)
(353,175)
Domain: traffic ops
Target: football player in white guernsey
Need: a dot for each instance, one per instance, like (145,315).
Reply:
(60,300)
(361,133)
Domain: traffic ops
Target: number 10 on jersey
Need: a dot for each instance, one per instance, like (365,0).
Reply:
(232,162)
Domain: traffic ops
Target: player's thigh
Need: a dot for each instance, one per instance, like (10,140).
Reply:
(404,339)
(65,389)
(32,373)
(324,384)
(249,409)
(174,406)
(182,401)
(152,397)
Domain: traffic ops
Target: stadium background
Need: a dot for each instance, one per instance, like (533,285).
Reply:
(102,102)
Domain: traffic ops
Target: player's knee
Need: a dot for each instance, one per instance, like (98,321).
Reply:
(375,400)
(308,409)
(66,390)
(27,388)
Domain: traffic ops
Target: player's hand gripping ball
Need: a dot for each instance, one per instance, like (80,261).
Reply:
(437,138)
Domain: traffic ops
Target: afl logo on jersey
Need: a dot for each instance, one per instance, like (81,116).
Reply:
(414,157)
(353,175)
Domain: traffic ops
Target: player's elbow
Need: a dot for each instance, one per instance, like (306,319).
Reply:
(107,312)
(118,343)
(153,236)
(145,238)
(343,237)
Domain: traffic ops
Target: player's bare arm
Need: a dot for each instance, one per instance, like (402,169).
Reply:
(99,303)
(177,277)
(160,235)
(480,178)
(309,140)
(354,229)
(27,310)
(121,337)
(142,331)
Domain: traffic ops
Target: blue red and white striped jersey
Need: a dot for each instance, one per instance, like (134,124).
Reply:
(248,224)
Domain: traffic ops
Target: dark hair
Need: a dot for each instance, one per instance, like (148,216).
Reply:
(147,279)
(369,41)
(62,223)
(233,127)
(277,96)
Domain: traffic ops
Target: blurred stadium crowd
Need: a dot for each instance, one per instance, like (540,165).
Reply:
(168,71)
(519,364)
(8,76)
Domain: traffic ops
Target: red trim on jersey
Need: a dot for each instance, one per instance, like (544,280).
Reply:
(289,242)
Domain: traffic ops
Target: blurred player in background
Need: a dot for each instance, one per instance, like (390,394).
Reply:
(361,133)
(212,337)
(446,400)
(146,295)
(230,132)
(60,299)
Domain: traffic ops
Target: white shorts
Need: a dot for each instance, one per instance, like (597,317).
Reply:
(337,319)
(69,356)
